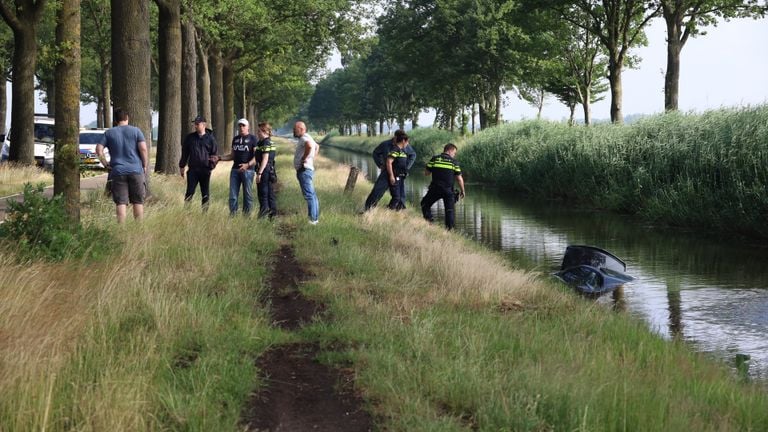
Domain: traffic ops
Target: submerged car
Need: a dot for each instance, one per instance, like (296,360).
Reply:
(592,271)
(89,138)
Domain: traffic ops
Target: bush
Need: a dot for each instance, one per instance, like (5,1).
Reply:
(39,228)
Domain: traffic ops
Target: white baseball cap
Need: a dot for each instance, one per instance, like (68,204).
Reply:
(242,121)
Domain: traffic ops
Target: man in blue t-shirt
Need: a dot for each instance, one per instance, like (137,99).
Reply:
(128,164)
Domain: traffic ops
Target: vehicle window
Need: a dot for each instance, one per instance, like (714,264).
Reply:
(91,138)
(44,133)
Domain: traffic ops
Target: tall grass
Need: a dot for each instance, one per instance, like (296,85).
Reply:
(162,337)
(13,176)
(704,170)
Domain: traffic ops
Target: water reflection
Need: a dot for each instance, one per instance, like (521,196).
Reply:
(709,293)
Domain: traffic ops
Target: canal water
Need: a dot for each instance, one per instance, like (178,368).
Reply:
(712,294)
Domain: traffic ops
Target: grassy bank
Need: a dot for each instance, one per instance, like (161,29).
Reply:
(705,171)
(441,334)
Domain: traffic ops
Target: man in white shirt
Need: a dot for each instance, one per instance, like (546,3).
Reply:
(304,162)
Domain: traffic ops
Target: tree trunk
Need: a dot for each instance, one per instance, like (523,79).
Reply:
(48,88)
(253,112)
(3,101)
(217,97)
(23,95)
(228,83)
(169,50)
(106,91)
(672,75)
(204,82)
(474,113)
(131,62)
(497,120)
(23,22)
(189,108)
(586,105)
(482,116)
(614,78)
(66,179)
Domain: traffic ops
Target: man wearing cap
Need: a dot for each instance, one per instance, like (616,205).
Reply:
(243,164)
(198,151)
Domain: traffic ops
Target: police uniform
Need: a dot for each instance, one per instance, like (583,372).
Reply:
(399,169)
(265,188)
(444,171)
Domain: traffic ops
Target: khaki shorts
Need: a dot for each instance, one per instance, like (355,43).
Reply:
(129,188)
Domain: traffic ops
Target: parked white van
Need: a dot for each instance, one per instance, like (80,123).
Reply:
(44,137)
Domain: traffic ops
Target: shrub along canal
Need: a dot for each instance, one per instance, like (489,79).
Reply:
(712,294)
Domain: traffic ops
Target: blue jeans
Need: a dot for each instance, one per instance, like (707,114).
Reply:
(308,190)
(238,178)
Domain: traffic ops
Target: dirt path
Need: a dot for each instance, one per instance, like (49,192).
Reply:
(300,394)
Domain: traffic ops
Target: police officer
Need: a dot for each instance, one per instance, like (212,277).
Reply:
(396,169)
(382,181)
(444,169)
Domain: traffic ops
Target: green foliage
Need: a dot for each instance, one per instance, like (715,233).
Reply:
(430,141)
(694,170)
(40,228)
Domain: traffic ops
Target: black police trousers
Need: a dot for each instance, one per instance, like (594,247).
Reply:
(435,194)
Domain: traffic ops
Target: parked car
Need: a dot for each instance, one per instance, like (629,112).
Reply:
(89,138)
(44,137)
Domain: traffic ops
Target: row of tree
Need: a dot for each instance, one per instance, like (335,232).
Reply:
(462,56)
(222,59)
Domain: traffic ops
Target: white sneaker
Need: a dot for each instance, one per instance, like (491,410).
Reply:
(314,222)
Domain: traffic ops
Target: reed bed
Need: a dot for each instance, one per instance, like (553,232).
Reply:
(705,170)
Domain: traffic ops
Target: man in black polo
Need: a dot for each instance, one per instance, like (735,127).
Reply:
(200,151)
(444,169)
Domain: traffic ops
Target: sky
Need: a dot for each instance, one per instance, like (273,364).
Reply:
(727,67)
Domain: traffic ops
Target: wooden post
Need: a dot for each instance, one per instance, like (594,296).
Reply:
(352,179)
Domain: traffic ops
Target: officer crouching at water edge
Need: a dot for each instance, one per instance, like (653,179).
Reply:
(444,169)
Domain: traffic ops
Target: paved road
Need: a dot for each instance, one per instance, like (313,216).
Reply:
(86,184)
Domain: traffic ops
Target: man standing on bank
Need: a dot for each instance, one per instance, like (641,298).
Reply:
(444,169)
(266,176)
(200,151)
(304,162)
(128,164)
(243,164)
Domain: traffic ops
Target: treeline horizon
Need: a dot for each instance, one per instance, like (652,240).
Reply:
(461,58)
